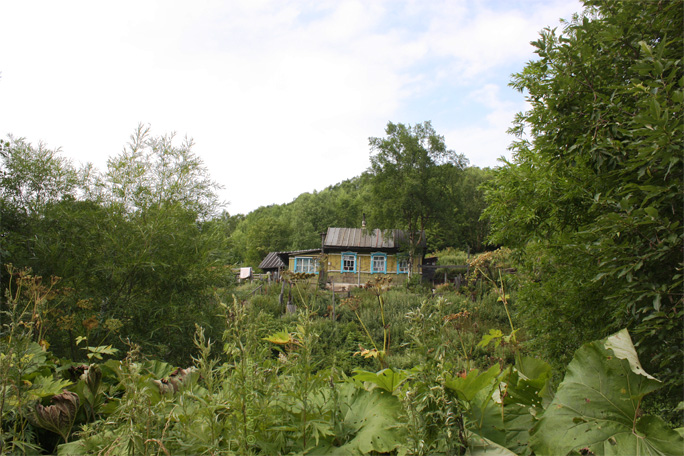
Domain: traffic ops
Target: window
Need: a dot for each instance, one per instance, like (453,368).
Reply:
(378,263)
(307,265)
(348,262)
(402,265)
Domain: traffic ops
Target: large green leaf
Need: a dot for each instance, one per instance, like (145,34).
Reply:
(469,386)
(597,406)
(527,389)
(387,379)
(484,417)
(370,420)
(483,413)
(518,421)
(481,446)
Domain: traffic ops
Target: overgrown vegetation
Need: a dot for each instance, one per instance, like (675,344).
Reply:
(592,200)
(443,380)
(123,330)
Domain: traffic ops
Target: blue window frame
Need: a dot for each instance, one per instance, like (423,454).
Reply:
(306,265)
(378,263)
(348,262)
(402,265)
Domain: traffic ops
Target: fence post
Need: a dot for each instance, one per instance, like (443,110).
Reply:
(332,283)
(291,308)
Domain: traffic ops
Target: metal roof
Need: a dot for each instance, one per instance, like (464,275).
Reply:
(301,252)
(363,238)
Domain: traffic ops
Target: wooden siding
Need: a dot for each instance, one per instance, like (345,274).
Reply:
(291,260)
(363,266)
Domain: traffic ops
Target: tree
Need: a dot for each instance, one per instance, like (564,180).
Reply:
(409,175)
(134,244)
(31,177)
(162,259)
(153,171)
(593,195)
(460,224)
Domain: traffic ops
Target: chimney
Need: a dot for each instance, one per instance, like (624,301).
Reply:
(363,222)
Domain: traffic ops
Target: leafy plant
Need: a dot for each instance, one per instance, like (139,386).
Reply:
(378,352)
(410,168)
(598,406)
(26,368)
(370,421)
(592,196)
(60,416)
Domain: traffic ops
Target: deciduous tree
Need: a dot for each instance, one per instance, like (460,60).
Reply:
(133,243)
(594,192)
(409,177)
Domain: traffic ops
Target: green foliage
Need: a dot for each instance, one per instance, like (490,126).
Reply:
(526,394)
(597,406)
(262,232)
(27,369)
(370,421)
(299,224)
(410,170)
(335,343)
(593,195)
(154,172)
(469,386)
(459,224)
(591,202)
(272,390)
(32,177)
(133,246)
(451,256)
(386,379)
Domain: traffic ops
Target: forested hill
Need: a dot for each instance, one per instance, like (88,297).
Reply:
(299,224)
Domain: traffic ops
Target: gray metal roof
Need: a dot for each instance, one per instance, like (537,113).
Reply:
(301,252)
(363,238)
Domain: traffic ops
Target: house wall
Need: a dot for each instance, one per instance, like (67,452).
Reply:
(332,262)
(363,269)
(291,260)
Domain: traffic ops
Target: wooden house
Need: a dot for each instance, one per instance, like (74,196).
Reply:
(354,256)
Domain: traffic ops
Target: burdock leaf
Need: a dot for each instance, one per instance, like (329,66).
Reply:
(60,416)
(93,379)
(370,420)
(597,406)
(387,379)
(467,387)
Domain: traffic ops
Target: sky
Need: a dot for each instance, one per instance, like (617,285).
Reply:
(279,96)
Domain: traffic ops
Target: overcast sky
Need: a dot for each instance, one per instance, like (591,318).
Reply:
(280,96)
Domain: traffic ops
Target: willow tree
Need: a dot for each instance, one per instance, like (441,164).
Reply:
(134,244)
(410,170)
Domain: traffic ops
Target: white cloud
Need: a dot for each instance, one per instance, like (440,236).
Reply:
(280,96)
(487,141)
